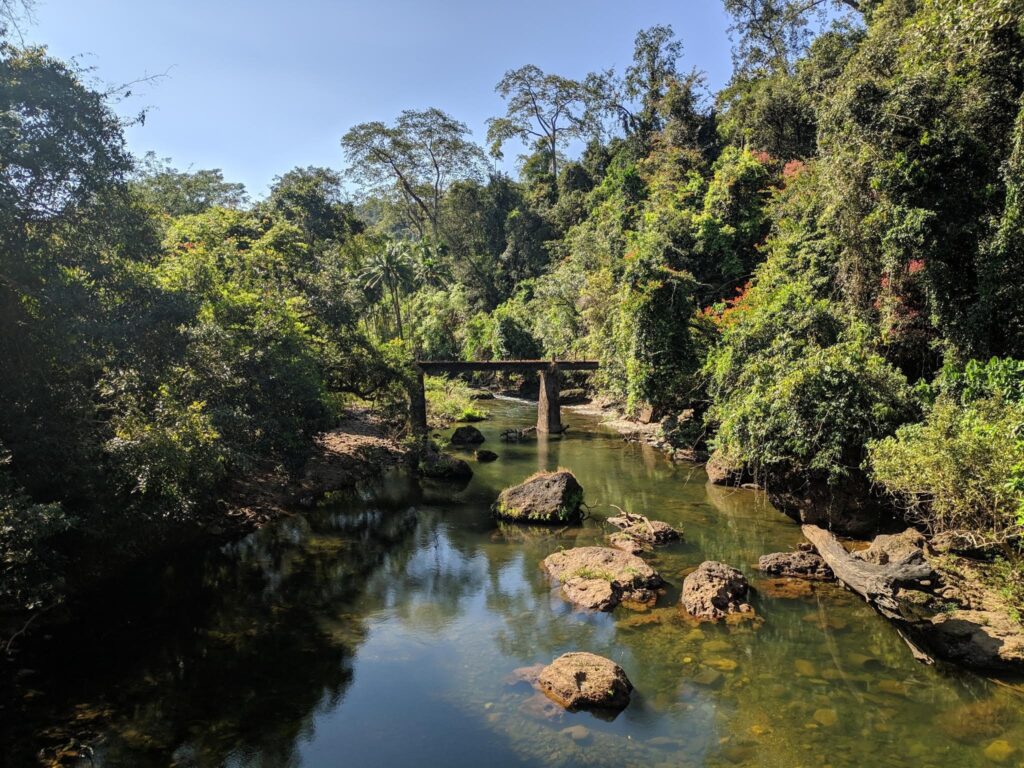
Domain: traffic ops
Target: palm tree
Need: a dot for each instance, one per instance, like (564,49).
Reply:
(390,268)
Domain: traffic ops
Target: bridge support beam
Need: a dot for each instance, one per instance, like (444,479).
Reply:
(418,404)
(549,415)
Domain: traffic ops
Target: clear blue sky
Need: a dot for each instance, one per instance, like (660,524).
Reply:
(256,88)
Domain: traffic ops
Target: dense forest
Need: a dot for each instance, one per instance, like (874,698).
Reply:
(819,267)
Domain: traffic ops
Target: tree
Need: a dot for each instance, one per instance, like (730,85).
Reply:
(550,108)
(773,34)
(412,163)
(312,199)
(179,193)
(390,267)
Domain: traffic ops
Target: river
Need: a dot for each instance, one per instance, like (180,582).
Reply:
(385,629)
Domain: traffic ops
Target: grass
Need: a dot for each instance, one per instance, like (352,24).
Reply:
(450,400)
(590,573)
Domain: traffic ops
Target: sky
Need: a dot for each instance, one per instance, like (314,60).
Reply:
(256,88)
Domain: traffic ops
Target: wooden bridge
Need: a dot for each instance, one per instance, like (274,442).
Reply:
(549,416)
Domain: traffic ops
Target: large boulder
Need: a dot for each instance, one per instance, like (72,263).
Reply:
(599,578)
(546,497)
(905,548)
(467,435)
(585,681)
(715,590)
(800,564)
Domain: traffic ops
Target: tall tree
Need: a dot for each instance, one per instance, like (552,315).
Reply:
(412,163)
(390,268)
(773,34)
(540,106)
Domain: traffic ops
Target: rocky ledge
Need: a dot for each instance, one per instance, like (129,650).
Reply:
(599,578)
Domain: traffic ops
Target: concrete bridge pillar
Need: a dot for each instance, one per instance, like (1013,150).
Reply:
(549,416)
(418,404)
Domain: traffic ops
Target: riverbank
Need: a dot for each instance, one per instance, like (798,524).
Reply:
(360,447)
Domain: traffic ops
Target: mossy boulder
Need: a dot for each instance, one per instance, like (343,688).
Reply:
(550,498)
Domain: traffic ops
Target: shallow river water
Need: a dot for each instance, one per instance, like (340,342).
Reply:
(385,628)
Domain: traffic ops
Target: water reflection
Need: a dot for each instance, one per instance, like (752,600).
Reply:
(385,629)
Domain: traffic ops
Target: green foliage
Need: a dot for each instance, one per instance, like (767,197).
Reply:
(961,469)
(168,453)
(803,408)
(919,141)
(180,193)
(29,566)
(963,466)
(449,400)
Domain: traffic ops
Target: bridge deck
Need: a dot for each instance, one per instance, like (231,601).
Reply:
(463,366)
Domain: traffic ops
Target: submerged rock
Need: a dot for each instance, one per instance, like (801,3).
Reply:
(467,435)
(799,564)
(485,456)
(547,497)
(599,578)
(715,590)
(585,681)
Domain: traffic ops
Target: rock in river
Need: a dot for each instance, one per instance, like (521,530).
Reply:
(715,590)
(441,466)
(585,681)
(467,435)
(546,497)
(799,564)
(599,578)
(484,456)
(644,530)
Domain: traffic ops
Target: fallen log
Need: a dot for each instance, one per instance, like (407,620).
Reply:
(895,577)
(879,585)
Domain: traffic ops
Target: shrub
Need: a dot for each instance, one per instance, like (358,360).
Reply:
(28,564)
(963,466)
(809,412)
(449,400)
